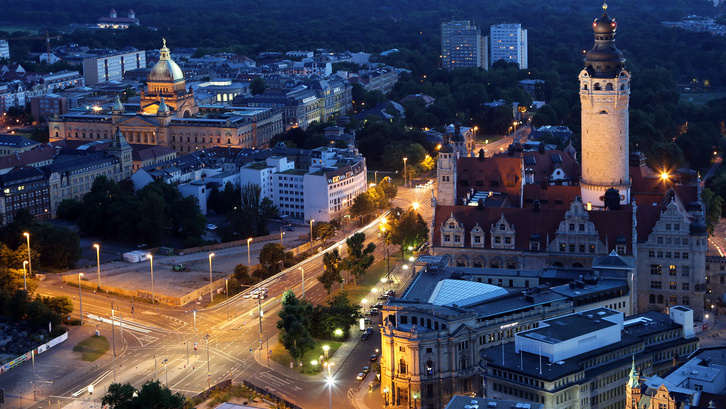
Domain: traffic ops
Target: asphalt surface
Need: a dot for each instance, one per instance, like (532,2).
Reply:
(188,350)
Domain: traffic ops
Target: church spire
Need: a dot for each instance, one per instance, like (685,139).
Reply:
(164,52)
(633,378)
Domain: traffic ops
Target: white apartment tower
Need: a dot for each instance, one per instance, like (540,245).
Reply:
(461,45)
(4,49)
(604,95)
(508,43)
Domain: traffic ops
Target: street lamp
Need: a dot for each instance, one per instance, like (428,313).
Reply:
(211,294)
(166,374)
(311,235)
(249,264)
(80,298)
(415,397)
(330,388)
(98,264)
(302,272)
(151,263)
(415,205)
(515,128)
(25,280)
(326,348)
(405,172)
(30,264)
(209,371)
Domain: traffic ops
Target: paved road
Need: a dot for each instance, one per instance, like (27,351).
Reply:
(158,342)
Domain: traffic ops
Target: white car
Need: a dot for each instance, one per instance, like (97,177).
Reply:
(360,376)
(211,226)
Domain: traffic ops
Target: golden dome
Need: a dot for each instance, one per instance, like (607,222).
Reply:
(166,69)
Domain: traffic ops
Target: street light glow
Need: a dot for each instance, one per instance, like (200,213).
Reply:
(338,332)
(664,176)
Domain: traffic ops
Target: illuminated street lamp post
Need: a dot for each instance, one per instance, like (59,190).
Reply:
(302,272)
(30,264)
(249,263)
(25,280)
(405,173)
(326,348)
(211,294)
(151,263)
(98,264)
(80,297)
(166,374)
(311,235)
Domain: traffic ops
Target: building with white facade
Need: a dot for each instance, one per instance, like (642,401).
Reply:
(4,49)
(461,45)
(320,190)
(111,66)
(508,43)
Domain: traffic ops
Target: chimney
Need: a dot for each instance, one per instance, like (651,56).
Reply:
(481,155)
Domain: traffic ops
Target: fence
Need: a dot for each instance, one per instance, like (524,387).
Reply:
(29,355)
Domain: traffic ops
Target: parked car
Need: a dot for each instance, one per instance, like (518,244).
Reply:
(383,297)
(391,293)
(360,376)
(365,336)
(374,357)
(378,305)
(366,369)
(368,321)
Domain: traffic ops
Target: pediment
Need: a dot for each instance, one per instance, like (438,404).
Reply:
(138,121)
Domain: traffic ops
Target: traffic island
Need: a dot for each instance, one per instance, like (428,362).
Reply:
(312,361)
(92,348)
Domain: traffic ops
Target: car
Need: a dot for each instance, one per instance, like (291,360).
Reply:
(369,330)
(211,226)
(247,295)
(366,369)
(368,321)
(377,305)
(391,293)
(290,228)
(374,357)
(383,297)
(360,376)
(374,311)
(365,336)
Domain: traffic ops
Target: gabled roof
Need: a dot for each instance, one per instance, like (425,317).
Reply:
(490,174)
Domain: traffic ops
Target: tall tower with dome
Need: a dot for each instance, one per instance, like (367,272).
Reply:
(167,80)
(604,95)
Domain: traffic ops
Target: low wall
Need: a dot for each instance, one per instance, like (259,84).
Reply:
(29,355)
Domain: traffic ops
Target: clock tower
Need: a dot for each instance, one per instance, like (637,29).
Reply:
(604,95)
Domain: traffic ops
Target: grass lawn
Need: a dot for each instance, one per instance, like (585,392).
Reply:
(92,348)
(280,355)
(366,283)
(490,138)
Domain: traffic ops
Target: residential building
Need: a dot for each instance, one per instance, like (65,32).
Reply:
(107,65)
(24,188)
(149,155)
(4,49)
(433,333)
(321,190)
(508,42)
(698,383)
(461,45)
(11,144)
(48,105)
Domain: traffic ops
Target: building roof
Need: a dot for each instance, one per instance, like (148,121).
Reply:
(467,402)
(16,141)
(565,328)
(463,293)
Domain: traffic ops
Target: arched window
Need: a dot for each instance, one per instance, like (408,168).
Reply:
(402,367)
(609,87)
(660,298)
(577,265)
(557,264)
(596,87)
(584,86)
(429,367)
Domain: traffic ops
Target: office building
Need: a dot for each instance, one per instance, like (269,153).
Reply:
(508,42)
(461,45)
(111,65)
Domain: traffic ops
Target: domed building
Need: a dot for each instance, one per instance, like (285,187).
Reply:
(166,79)
(168,115)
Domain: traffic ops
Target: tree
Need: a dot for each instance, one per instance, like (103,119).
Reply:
(323,231)
(714,205)
(362,206)
(359,258)
(388,188)
(60,304)
(409,229)
(294,324)
(152,395)
(331,274)
(272,254)
(257,86)
(242,274)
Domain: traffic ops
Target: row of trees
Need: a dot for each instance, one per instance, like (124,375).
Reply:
(153,215)
(247,214)
(18,305)
(372,200)
(300,322)
(356,262)
(405,228)
(51,246)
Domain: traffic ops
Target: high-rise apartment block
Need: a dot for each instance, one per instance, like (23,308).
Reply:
(111,66)
(461,45)
(508,43)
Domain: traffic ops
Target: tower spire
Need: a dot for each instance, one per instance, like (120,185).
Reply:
(633,378)
(604,5)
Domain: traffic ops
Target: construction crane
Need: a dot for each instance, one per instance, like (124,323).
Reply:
(47,39)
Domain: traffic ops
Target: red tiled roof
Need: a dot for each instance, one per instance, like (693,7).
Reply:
(28,158)
(544,164)
(609,224)
(489,174)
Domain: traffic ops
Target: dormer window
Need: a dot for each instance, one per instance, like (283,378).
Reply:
(502,226)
